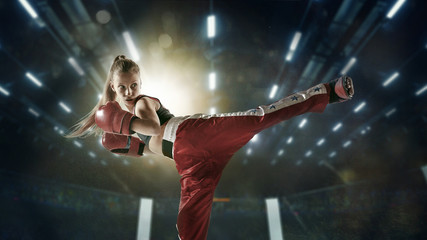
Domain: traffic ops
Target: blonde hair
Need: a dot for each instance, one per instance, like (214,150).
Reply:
(86,126)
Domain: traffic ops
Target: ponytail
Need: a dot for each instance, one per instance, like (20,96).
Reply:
(86,126)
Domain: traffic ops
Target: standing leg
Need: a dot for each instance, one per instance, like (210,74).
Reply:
(199,178)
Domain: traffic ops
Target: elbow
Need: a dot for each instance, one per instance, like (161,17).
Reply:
(156,130)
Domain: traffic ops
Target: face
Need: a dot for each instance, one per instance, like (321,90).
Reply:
(126,86)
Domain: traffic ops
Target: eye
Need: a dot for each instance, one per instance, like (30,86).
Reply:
(121,87)
(134,85)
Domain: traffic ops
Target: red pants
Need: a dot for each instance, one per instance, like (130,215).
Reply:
(202,145)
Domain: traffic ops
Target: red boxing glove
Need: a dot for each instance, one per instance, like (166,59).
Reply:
(113,119)
(123,145)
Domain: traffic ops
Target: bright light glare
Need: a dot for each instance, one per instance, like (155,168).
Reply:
(212,110)
(332,154)
(33,79)
(290,140)
(390,79)
(281,152)
(249,151)
(308,153)
(273,91)
(303,122)
(29,8)
(212,81)
(4,91)
(131,46)
(34,112)
(359,107)
(421,91)
(65,107)
(348,66)
(395,8)
(338,126)
(76,66)
(211,26)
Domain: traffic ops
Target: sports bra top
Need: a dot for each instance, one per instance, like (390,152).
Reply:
(163,114)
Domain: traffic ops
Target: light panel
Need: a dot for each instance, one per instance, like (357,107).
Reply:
(65,107)
(303,122)
(212,81)
(33,79)
(33,112)
(211,26)
(360,107)
(29,8)
(395,8)
(346,144)
(421,90)
(320,142)
(76,66)
(391,112)
(390,79)
(348,66)
(338,126)
(4,91)
(273,91)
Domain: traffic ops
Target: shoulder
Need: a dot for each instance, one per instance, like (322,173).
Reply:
(144,102)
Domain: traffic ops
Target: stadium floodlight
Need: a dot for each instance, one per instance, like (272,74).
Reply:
(273,91)
(33,112)
(421,90)
(290,140)
(395,8)
(303,122)
(29,8)
(131,46)
(211,26)
(76,66)
(320,142)
(338,126)
(33,79)
(212,81)
(65,107)
(348,66)
(360,107)
(4,91)
(391,112)
(390,79)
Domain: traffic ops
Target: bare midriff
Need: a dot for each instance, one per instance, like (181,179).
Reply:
(156,141)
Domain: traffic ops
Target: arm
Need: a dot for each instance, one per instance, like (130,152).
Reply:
(148,122)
